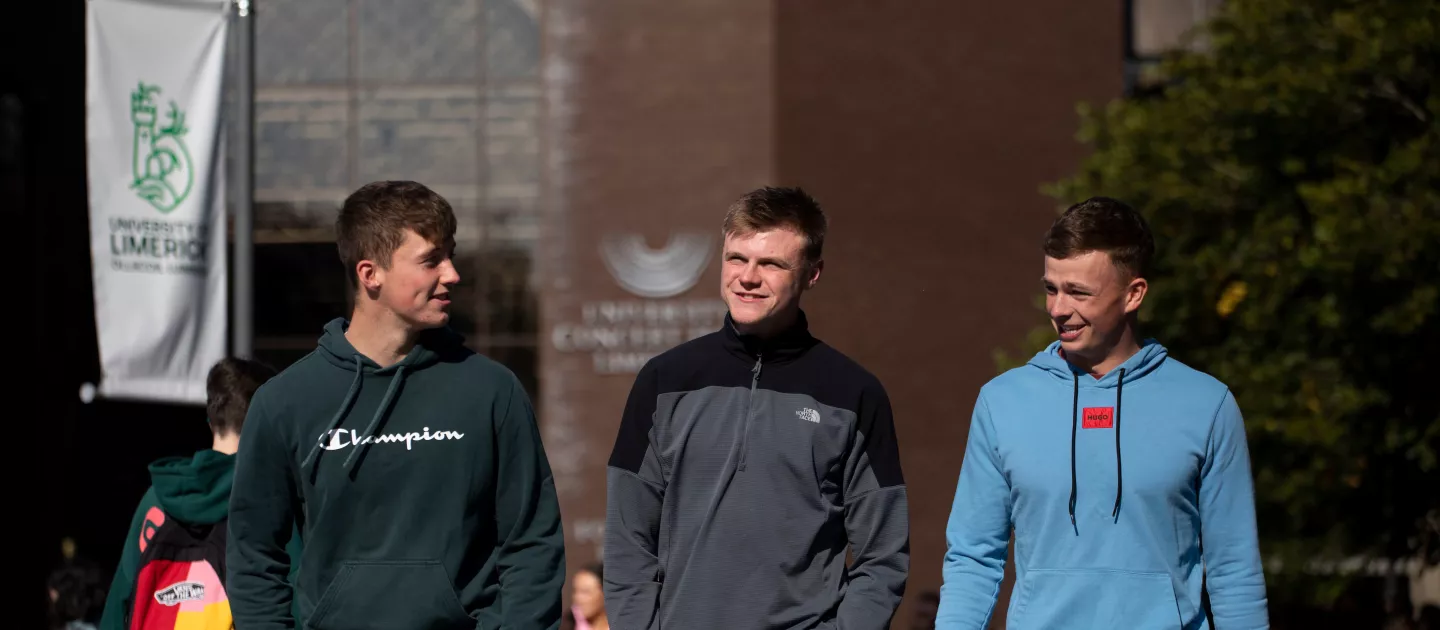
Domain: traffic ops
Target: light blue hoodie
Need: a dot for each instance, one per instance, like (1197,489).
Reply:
(1108,517)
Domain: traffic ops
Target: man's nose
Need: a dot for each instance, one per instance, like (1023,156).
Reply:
(448,273)
(750,275)
(1060,307)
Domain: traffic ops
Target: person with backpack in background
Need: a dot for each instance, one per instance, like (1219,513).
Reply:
(172,567)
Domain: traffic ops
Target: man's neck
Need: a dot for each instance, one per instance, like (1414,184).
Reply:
(766,330)
(1121,352)
(227,444)
(379,336)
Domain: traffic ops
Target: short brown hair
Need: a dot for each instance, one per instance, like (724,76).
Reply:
(228,389)
(1105,225)
(373,221)
(773,207)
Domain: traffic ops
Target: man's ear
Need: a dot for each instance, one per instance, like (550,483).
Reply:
(1135,294)
(812,273)
(369,275)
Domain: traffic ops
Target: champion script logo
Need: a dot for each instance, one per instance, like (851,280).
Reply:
(1099,418)
(342,438)
(179,592)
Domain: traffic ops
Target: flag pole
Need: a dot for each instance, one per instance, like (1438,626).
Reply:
(243,183)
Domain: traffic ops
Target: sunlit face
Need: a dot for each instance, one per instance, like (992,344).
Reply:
(762,278)
(587,596)
(416,286)
(1089,300)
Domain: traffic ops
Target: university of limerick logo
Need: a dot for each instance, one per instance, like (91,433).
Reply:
(657,273)
(161,163)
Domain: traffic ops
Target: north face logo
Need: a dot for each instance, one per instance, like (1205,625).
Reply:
(809,415)
(180,592)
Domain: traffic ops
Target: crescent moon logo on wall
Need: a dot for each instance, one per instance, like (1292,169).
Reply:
(657,273)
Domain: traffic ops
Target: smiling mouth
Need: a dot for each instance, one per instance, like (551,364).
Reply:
(1070,332)
(748,297)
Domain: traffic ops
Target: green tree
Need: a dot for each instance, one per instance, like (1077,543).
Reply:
(1291,173)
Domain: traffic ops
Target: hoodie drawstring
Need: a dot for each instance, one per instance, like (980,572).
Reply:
(339,415)
(1074,425)
(1119,478)
(360,441)
(363,443)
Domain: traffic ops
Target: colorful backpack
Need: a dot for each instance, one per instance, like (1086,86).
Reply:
(180,584)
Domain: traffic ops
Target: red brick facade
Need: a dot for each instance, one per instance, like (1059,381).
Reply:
(925,131)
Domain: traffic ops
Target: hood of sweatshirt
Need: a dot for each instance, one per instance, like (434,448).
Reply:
(194,489)
(1052,361)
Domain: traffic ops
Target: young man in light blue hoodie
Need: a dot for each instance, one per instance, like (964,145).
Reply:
(1108,518)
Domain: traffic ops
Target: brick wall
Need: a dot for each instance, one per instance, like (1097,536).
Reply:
(925,132)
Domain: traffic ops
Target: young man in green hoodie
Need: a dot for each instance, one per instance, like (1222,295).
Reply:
(412,465)
(194,490)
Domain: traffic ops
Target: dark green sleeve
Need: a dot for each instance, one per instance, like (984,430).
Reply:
(261,523)
(123,584)
(531,540)
(293,549)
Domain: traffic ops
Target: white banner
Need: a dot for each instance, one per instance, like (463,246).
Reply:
(157,196)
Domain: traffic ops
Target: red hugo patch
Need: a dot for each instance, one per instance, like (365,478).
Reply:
(1098,418)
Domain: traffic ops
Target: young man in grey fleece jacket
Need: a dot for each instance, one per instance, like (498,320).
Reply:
(749,459)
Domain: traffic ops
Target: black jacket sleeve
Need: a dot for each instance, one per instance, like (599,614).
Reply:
(635,488)
(877,518)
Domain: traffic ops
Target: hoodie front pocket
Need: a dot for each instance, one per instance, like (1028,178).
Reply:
(1096,598)
(397,594)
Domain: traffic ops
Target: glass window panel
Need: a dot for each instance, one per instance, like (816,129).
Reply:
(419,42)
(301,42)
(512,39)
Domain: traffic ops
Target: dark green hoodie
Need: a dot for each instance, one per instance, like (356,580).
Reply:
(189,489)
(421,490)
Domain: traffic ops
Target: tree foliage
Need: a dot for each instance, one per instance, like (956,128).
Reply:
(1291,173)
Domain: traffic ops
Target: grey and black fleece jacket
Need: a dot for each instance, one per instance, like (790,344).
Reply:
(742,470)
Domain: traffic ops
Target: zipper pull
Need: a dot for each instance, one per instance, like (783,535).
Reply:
(749,409)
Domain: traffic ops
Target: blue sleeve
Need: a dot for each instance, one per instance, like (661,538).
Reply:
(978,534)
(1233,572)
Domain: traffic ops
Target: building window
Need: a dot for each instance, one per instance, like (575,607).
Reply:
(1155,27)
(443,92)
